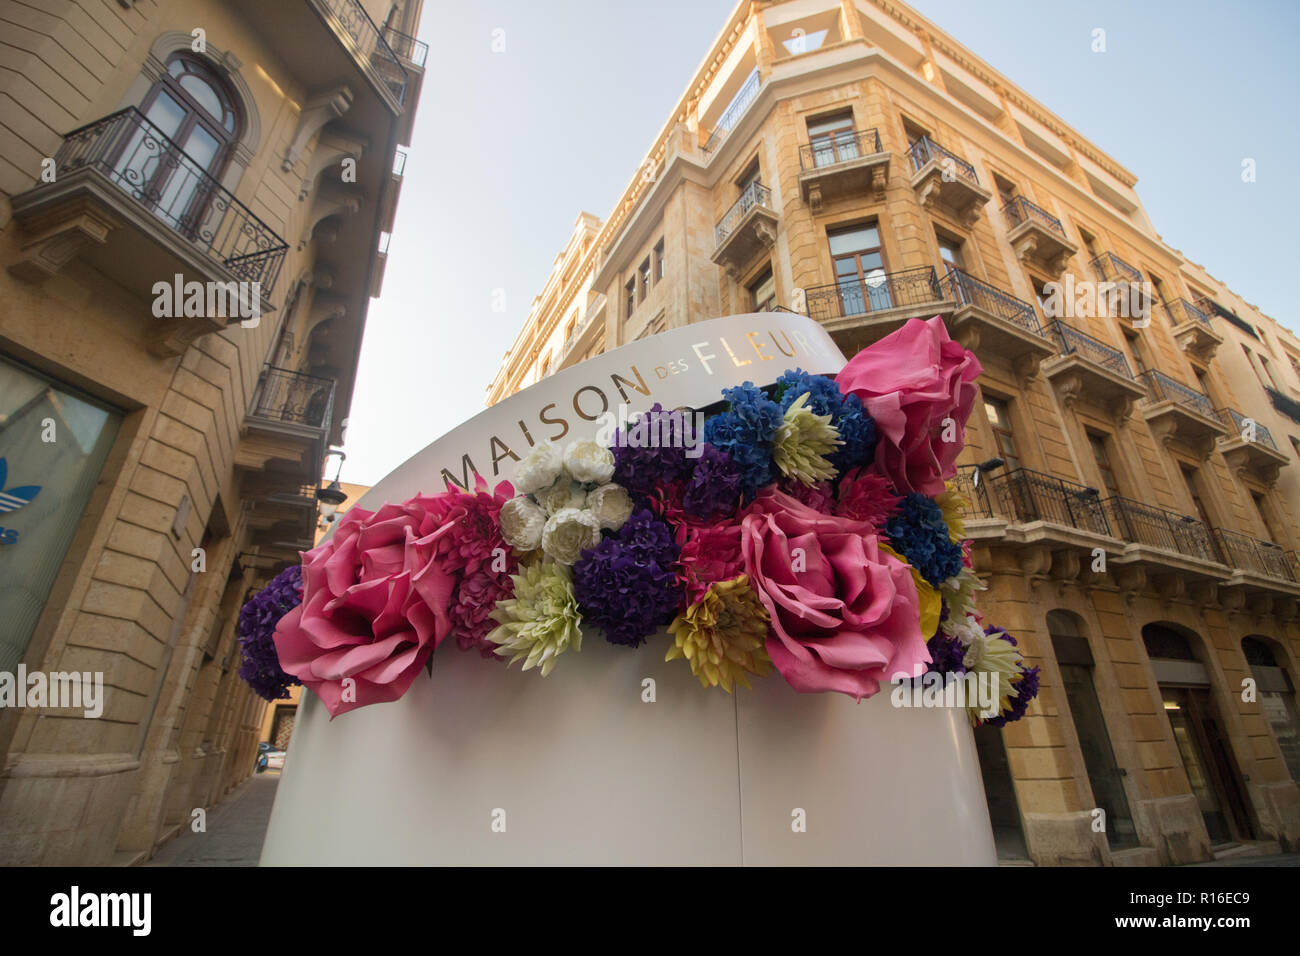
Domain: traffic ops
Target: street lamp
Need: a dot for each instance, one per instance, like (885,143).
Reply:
(331,496)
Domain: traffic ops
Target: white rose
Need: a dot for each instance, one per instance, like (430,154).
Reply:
(568,533)
(610,504)
(589,461)
(565,493)
(539,469)
(522,523)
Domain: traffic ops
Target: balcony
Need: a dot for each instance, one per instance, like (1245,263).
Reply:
(1037,236)
(1165,550)
(1126,282)
(1052,526)
(741,102)
(367,44)
(1192,329)
(167,216)
(748,227)
(1091,371)
(286,428)
(1249,446)
(1264,577)
(1176,412)
(942,178)
(1284,403)
(858,312)
(991,322)
(408,48)
(841,165)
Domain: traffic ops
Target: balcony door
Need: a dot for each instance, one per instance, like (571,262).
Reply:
(176,174)
(859,263)
(833,139)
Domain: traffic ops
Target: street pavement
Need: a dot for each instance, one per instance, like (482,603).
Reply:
(236,828)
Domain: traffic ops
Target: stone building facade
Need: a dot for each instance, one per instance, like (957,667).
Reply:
(1131,469)
(195,200)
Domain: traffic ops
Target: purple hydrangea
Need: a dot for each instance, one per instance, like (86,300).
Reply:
(259,664)
(745,432)
(640,469)
(918,532)
(625,585)
(714,485)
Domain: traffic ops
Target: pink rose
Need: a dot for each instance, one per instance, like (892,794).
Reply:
(911,381)
(845,612)
(376,595)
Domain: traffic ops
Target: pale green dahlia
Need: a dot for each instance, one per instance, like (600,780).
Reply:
(802,443)
(540,622)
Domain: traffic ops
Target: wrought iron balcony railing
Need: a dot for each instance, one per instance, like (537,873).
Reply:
(1024,495)
(406,46)
(1020,209)
(1183,311)
(1251,554)
(878,292)
(926,150)
(1162,388)
(1157,528)
(1114,269)
(968,290)
(1247,429)
(135,156)
(744,97)
(973,486)
(755,194)
(1073,342)
(294,398)
(839,148)
(371,50)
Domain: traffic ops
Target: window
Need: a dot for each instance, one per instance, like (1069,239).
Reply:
(192,107)
(913,132)
(546,366)
(1192,478)
(1136,351)
(999,416)
(1090,244)
(659,260)
(629,301)
(1262,509)
(859,264)
(762,293)
(1074,657)
(1276,698)
(1268,379)
(1100,445)
(949,252)
(749,177)
(1203,380)
(644,273)
(832,138)
(47,487)
(1006,190)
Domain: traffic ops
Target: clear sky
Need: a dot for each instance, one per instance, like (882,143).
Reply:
(509,146)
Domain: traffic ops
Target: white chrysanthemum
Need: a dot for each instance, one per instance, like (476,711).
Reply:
(611,505)
(522,523)
(588,461)
(565,493)
(539,469)
(959,593)
(568,533)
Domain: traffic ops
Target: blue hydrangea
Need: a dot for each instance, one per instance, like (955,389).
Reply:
(625,585)
(745,433)
(857,428)
(714,486)
(918,532)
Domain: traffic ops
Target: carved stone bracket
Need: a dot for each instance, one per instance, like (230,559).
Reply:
(969,216)
(1170,587)
(331,150)
(879,179)
(1131,580)
(54,237)
(327,204)
(1204,592)
(1026,367)
(320,109)
(765,231)
(815,197)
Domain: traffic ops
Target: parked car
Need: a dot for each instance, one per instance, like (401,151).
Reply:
(269,757)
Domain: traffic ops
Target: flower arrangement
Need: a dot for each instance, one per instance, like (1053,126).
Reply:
(807,528)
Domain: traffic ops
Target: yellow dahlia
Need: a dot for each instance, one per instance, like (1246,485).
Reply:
(723,635)
(802,442)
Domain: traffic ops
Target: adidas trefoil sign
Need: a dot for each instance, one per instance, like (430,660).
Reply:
(11,499)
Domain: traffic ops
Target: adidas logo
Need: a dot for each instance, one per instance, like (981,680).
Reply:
(11,499)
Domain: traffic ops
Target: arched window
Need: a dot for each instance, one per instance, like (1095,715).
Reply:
(193,108)
(1276,695)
